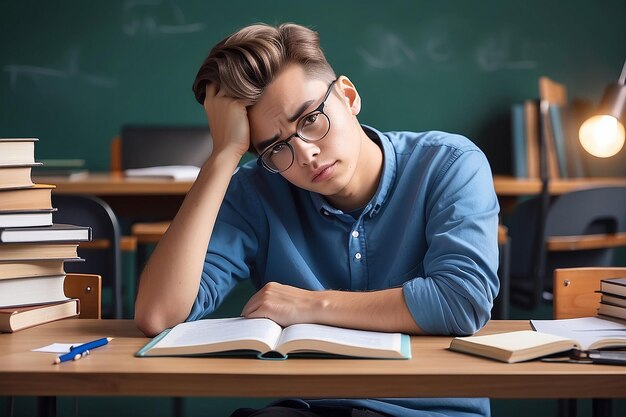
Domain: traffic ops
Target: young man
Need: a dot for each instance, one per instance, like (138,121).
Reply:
(335,223)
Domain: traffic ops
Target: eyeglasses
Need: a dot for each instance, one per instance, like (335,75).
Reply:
(311,127)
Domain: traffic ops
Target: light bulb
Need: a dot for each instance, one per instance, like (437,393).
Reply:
(602,136)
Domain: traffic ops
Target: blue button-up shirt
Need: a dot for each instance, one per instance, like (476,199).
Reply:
(430,228)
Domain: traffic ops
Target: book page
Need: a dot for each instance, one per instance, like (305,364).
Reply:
(213,331)
(323,336)
(586,330)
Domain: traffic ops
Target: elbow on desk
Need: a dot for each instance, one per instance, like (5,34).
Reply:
(149,321)
(147,326)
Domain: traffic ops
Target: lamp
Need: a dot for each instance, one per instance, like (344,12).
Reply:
(602,135)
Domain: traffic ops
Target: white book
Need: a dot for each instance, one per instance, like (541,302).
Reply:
(589,332)
(57,232)
(549,337)
(173,172)
(27,291)
(268,340)
(26,218)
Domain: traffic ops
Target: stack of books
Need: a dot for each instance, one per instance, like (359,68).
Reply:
(613,298)
(33,250)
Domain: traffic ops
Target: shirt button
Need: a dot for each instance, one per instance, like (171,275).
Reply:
(357,256)
(355,234)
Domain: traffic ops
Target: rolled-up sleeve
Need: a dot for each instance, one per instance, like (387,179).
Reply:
(232,249)
(460,280)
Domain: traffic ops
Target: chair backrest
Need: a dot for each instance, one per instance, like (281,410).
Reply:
(500,309)
(148,146)
(594,211)
(575,290)
(104,255)
(88,289)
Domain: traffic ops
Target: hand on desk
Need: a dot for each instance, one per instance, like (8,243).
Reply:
(383,310)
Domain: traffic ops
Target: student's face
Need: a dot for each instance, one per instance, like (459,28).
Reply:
(325,166)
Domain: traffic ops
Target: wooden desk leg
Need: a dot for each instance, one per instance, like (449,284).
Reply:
(601,407)
(46,406)
(10,406)
(566,407)
(177,407)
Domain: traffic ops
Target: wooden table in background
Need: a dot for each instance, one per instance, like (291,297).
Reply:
(161,198)
(112,184)
(143,198)
(433,371)
(507,186)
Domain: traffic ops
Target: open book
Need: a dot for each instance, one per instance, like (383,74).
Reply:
(550,337)
(267,340)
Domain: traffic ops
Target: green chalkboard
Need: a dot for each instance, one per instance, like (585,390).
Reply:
(72,72)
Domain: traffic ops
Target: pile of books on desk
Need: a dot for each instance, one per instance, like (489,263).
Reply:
(33,250)
(613,298)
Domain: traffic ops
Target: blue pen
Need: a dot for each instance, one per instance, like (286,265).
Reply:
(77,352)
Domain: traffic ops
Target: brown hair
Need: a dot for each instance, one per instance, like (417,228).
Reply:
(243,64)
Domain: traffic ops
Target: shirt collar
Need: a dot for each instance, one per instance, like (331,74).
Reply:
(386,180)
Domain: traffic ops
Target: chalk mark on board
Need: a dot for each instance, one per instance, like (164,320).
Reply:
(140,19)
(391,52)
(438,50)
(71,71)
(499,52)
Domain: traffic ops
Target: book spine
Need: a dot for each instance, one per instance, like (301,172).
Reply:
(518,136)
(531,118)
(556,125)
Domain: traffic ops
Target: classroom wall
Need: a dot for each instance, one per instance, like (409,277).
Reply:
(72,72)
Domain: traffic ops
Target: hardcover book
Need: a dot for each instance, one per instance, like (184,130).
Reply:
(15,151)
(265,339)
(57,232)
(614,286)
(612,310)
(26,218)
(37,197)
(18,318)
(16,176)
(23,252)
(25,269)
(27,291)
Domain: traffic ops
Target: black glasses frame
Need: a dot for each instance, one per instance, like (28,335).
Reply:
(320,109)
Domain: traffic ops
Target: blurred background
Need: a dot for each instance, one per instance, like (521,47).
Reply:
(73,72)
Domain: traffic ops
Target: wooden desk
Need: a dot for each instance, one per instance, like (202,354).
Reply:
(106,184)
(433,372)
(507,186)
(143,198)
(109,184)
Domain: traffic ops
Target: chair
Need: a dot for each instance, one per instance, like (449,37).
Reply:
(500,310)
(582,228)
(575,296)
(102,254)
(88,289)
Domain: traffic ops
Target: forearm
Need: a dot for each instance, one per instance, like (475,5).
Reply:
(383,310)
(169,282)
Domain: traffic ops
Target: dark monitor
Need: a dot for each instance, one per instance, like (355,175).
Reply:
(148,146)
